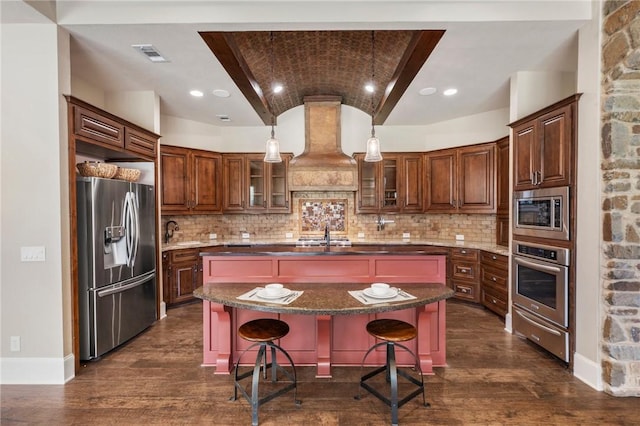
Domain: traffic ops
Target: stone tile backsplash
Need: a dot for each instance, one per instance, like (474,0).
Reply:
(475,228)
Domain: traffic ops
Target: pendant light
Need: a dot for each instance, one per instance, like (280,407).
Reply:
(272,149)
(373,143)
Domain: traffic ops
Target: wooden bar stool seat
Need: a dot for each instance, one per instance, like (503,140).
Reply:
(391,332)
(263,332)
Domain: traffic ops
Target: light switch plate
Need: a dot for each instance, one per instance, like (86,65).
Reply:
(32,254)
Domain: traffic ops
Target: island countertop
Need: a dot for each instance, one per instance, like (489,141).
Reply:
(255,246)
(323,298)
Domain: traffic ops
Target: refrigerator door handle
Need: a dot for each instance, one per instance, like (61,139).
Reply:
(120,289)
(136,227)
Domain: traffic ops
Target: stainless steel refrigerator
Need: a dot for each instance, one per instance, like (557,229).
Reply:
(116,262)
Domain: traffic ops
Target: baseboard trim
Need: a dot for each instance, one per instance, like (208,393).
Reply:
(37,371)
(587,371)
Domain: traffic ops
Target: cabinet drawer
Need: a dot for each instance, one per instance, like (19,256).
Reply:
(471,255)
(494,278)
(140,143)
(187,255)
(497,261)
(467,291)
(95,127)
(494,302)
(464,270)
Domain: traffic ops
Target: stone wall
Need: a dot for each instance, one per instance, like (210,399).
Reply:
(621,197)
(476,228)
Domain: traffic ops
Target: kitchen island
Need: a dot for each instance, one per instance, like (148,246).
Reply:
(327,324)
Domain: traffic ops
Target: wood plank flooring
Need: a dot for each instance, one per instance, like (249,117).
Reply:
(493,378)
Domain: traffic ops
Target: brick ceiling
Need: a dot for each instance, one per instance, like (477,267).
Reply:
(309,63)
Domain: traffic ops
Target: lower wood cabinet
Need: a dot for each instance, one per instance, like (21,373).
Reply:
(494,279)
(465,273)
(182,273)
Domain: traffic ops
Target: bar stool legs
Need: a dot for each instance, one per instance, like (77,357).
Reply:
(391,332)
(263,332)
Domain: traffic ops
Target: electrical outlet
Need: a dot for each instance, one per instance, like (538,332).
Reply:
(406,235)
(213,236)
(459,237)
(15,343)
(360,235)
(32,254)
(288,235)
(245,235)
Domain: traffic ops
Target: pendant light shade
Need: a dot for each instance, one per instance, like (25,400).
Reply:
(272,150)
(373,153)
(373,150)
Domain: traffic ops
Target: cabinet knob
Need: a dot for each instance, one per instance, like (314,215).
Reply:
(494,301)
(463,251)
(494,257)
(493,278)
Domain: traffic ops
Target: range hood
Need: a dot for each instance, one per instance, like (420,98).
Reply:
(322,166)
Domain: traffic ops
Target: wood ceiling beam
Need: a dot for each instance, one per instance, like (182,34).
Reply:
(419,49)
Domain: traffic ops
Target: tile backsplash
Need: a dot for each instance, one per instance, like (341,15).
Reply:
(474,227)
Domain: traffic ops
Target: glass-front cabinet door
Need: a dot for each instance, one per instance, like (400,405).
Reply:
(390,183)
(369,189)
(278,189)
(267,190)
(257,184)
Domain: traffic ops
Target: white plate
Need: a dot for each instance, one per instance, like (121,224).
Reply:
(393,292)
(263,294)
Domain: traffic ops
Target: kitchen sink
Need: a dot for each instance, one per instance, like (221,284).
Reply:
(319,241)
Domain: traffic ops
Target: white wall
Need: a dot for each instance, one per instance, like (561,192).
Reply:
(589,233)
(356,129)
(534,90)
(34,299)
(141,107)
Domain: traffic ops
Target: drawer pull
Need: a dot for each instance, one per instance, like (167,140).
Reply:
(494,257)
(494,301)
(493,278)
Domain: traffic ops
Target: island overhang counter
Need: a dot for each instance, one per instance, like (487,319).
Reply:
(327,325)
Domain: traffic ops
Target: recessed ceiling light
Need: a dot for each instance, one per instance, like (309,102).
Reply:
(369,87)
(196,93)
(427,91)
(277,88)
(221,93)
(450,92)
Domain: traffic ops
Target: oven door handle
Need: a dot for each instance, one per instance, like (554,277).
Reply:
(538,266)
(535,324)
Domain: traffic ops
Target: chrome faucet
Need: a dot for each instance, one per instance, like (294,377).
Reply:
(167,234)
(381,222)
(327,236)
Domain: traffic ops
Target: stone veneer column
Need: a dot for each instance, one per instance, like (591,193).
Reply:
(621,197)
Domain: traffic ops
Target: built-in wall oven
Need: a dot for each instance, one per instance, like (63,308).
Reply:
(540,285)
(542,213)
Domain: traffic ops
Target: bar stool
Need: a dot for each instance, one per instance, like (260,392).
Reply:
(263,332)
(392,331)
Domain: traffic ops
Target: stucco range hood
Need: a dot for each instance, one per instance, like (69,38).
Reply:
(322,166)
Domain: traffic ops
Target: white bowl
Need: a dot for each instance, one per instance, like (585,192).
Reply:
(380,289)
(273,289)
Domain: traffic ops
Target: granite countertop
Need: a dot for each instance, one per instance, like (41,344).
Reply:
(368,246)
(322,298)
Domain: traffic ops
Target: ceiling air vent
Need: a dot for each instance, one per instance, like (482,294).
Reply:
(150,52)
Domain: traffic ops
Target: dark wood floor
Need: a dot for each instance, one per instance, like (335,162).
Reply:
(493,378)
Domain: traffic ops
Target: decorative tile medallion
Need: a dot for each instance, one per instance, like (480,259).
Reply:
(314,215)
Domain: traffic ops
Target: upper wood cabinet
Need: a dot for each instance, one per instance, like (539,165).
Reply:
(543,146)
(502,176)
(100,133)
(461,180)
(253,186)
(190,181)
(393,185)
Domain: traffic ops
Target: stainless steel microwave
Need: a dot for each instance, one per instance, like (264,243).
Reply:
(542,213)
